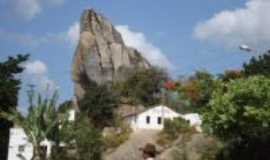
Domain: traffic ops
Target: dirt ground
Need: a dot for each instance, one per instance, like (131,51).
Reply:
(130,149)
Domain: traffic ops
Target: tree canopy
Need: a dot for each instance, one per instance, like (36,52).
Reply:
(258,65)
(143,86)
(198,89)
(239,113)
(9,87)
(98,103)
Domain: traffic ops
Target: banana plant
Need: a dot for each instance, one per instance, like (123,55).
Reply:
(41,121)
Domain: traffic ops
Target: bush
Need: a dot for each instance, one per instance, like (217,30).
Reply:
(197,90)
(172,129)
(118,136)
(196,146)
(98,103)
(239,114)
(64,153)
(88,140)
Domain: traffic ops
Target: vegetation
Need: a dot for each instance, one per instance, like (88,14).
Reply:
(235,108)
(99,103)
(120,134)
(88,140)
(172,129)
(143,86)
(195,146)
(65,106)
(39,123)
(239,114)
(196,90)
(258,66)
(230,75)
(82,141)
(9,87)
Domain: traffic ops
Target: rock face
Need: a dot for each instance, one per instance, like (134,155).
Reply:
(101,55)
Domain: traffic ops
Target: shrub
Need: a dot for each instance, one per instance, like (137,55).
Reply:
(196,146)
(118,136)
(88,140)
(172,129)
(239,113)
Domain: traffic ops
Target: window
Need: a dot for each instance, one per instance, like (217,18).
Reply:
(159,120)
(43,151)
(148,119)
(21,148)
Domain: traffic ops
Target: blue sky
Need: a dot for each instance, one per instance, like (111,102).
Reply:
(189,35)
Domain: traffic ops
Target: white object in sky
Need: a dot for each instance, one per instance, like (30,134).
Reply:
(245,47)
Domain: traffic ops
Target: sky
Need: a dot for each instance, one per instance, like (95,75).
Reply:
(182,36)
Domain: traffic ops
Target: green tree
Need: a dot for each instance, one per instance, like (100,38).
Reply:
(230,75)
(9,87)
(258,65)
(99,104)
(144,86)
(239,113)
(39,123)
(82,140)
(198,89)
(88,139)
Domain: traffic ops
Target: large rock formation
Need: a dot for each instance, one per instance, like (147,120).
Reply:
(101,55)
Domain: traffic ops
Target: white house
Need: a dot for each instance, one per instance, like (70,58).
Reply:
(153,118)
(21,149)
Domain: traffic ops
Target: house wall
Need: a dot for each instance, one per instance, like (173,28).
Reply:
(18,145)
(140,121)
(71,115)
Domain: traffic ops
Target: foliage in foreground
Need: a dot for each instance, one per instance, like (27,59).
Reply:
(173,129)
(88,140)
(9,87)
(195,146)
(82,141)
(39,123)
(118,136)
(239,114)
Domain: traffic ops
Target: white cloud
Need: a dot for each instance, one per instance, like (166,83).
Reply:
(73,33)
(249,25)
(138,40)
(35,73)
(36,67)
(29,9)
